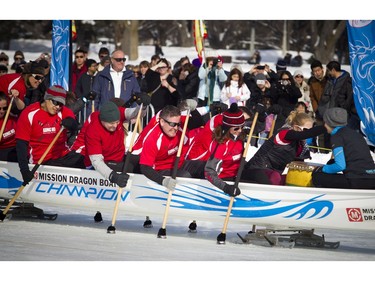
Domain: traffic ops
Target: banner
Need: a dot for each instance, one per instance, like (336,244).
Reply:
(361,37)
(200,33)
(60,60)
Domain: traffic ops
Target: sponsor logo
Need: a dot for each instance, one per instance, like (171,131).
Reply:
(360,215)
(354,214)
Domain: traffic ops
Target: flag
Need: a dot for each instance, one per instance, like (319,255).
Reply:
(361,37)
(74,30)
(200,33)
(60,57)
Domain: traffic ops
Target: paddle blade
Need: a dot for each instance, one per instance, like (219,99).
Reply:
(221,238)
(111,229)
(162,233)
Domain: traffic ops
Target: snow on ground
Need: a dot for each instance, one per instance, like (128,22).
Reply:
(75,238)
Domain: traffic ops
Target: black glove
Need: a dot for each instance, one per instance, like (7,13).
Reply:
(27,176)
(91,95)
(70,124)
(260,108)
(231,190)
(120,179)
(143,98)
(217,108)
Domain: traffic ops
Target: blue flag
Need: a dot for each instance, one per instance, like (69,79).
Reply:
(361,35)
(60,61)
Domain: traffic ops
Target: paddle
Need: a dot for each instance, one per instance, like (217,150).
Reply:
(272,126)
(162,231)
(222,236)
(112,228)
(2,216)
(6,118)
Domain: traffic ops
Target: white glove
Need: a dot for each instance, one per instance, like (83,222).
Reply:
(169,183)
(192,104)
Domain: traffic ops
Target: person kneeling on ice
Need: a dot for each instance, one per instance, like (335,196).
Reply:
(160,147)
(288,144)
(104,141)
(226,151)
(351,154)
(38,125)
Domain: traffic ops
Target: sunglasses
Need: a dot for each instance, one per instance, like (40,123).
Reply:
(298,76)
(79,57)
(56,103)
(3,59)
(5,108)
(18,58)
(172,124)
(37,77)
(120,59)
(237,128)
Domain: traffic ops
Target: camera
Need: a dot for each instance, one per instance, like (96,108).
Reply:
(284,82)
(260,67)
(215,61)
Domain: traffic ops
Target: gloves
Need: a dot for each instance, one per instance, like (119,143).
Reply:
(120,179)
(91,95)
(188,104)
(217,108)
(191,104)
(231,190)
(260,108)
(70,124)
(27,176)
(169,183)
(142,98)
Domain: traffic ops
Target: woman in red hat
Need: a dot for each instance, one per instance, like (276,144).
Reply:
(226,151)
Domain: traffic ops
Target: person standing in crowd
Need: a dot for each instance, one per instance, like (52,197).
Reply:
(154,60)
(226,151)
(161,85)
(304,88)
(103,54)
(317,83)
(85,85)
(211,74)
(8,137)
(235,90)
(4,61)
(143,67)
(16,84)
(268,163)
(115,81)
(352,165)
(286,94)
(79,67)
(338,92)
(37,126)
(160,146)
(188,81)
(158,49)
(19,61)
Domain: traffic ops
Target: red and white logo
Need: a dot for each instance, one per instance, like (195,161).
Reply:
(354,214)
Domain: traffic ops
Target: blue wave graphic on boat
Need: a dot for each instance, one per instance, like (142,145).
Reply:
(247,207)
(10,182)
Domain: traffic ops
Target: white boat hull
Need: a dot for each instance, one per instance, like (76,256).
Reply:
(194,199)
